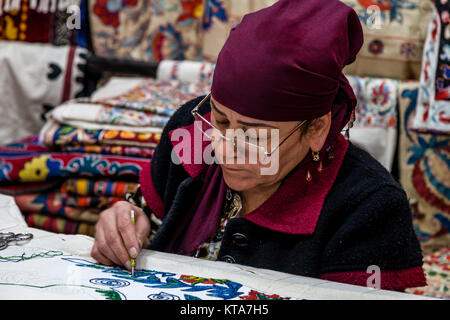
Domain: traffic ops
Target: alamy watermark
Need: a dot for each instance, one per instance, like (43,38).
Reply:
(238,147)
(373,17)
(374,280)
(71,7)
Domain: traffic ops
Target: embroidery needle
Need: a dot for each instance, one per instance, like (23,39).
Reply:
(132,261)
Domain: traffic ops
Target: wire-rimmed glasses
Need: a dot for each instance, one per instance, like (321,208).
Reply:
(237,138)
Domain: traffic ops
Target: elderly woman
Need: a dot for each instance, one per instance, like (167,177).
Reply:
(312,204)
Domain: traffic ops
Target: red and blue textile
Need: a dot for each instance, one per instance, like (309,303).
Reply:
(29,162)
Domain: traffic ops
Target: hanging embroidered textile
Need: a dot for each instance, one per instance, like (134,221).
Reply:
(375,126)
(433,111)
(424,174)
(394,33)
(160,30)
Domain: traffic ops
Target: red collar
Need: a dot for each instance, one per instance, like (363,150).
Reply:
(296,205)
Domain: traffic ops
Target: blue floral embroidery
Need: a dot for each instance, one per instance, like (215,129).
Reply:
(418,150)
(224,289)
(89,165)
(176,44)
(213,8)
(5,168)
(163,296)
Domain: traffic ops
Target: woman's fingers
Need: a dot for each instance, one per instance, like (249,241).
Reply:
(133,235)
(114,235)
(127,229)
(108,240)
(101,250)
(117,238)
(98,255)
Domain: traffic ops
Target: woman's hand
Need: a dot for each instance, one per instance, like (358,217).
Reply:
(117,239)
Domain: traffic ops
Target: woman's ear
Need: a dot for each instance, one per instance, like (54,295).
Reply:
(318,131)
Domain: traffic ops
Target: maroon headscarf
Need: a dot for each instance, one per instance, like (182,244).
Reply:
(284,63)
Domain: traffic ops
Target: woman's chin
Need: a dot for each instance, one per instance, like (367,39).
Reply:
(237,181)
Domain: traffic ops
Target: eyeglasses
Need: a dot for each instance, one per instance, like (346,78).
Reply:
(213,133)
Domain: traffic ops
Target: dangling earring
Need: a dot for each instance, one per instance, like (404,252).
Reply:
(315,155)
(308,176)
(320,167)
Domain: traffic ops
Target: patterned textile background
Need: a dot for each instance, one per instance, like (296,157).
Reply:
(394,49)
(166,29)
(94,148)
(425,174)
(433,111)
(375,127)
(40,21)
(147,30)
(22,166)
(186,71)
(437,271)
(74,206)
(69,203)
(197,29)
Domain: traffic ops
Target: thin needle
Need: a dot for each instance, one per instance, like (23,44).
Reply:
(132,261)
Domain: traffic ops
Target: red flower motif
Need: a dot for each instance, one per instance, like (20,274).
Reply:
(376,47)
(192,9)
(380,95)
(108,11)
(409,50)
(255,295)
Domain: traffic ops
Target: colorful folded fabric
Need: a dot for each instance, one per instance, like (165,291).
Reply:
(36,167)
(53,74)
(160,29)
(98,188)
(38,21)
(29,144)
(424,169)
(394,33)
(157,96)
(92,202)
(53,204)
(185,71)
(375,126)
(98,113)
(59,225)
(55,134)
(433,106)
(110,127)
(437,270)
(56,201)
(117,150)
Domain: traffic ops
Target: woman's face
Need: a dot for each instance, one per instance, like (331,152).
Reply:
(238,171)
